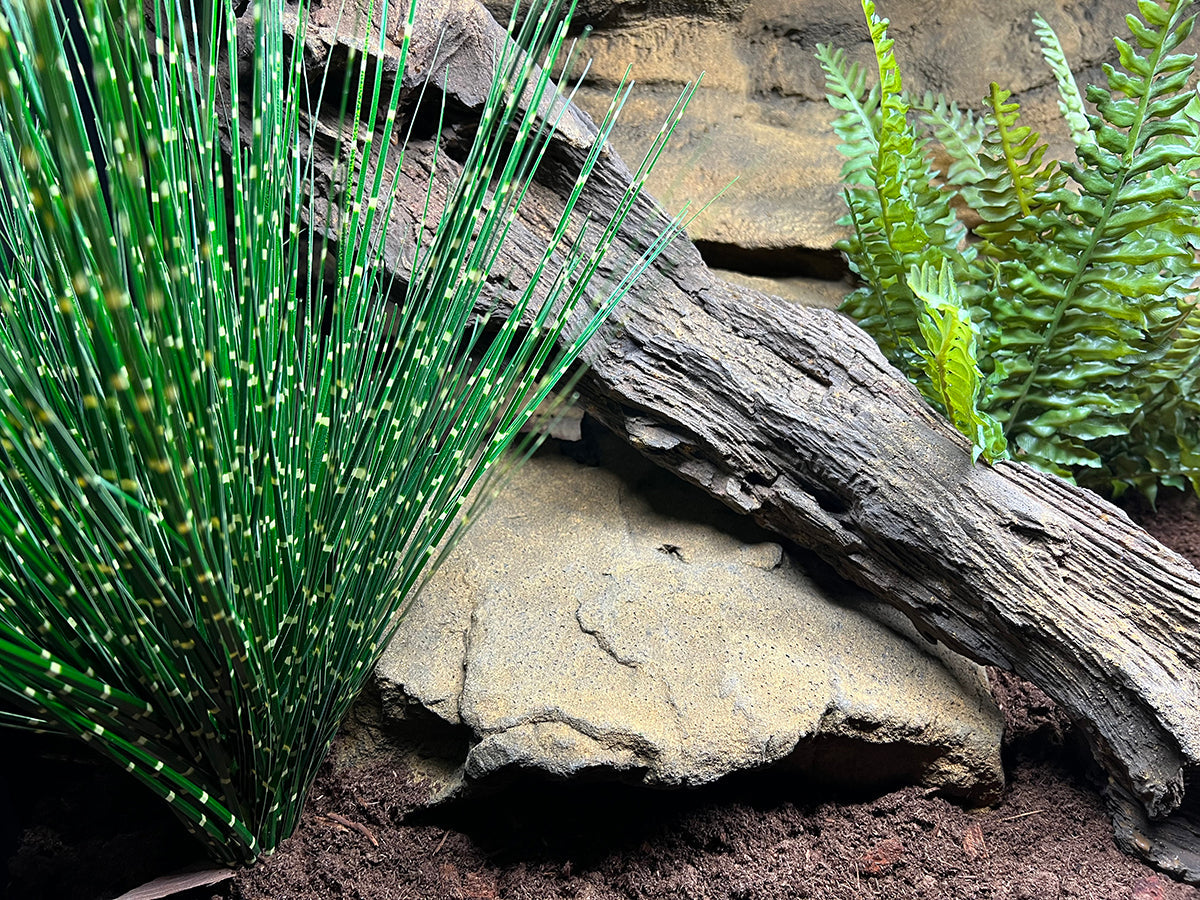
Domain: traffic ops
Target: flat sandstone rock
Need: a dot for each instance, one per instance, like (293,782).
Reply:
(596,621)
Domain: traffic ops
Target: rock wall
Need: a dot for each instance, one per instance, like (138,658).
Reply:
(760,116)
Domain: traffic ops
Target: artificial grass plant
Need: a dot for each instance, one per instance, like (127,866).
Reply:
(212,509)
(1064,330)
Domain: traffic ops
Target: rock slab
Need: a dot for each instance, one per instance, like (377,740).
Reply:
(591,621)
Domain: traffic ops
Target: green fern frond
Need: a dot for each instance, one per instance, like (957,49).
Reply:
(960,132)
(1070,101)
(848,92)
(1011,159)
(1006,200)
(901,218)
(1165,431)
(954,383)
(884,305)
(1102,265)
(1082,291)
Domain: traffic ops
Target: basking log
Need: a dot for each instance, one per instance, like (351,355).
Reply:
(793,416)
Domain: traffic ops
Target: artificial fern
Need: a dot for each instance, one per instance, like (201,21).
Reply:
(858,102)
(961,132)
(1010,160)
(1070,102)
(900,219)
(1081,281)
(948,355)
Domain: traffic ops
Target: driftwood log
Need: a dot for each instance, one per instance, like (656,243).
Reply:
(793,416)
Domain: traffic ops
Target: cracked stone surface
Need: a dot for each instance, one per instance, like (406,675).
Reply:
(625,623)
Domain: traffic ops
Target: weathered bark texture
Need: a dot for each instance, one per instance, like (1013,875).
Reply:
(794,417)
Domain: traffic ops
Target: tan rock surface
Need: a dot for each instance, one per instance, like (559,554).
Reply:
(594,621)
(760,115)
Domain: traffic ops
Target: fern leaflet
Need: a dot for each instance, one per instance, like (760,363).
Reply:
(1070,101)
(901,219)
(951,363)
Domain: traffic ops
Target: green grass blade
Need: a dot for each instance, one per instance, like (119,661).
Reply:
(222,478)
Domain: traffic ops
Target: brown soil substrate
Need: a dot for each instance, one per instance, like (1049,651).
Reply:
(1049,839)
(755,838)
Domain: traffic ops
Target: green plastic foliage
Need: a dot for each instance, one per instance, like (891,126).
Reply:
(1070,101)
(900,219)
(221,480)
(954,382)
(1010,159)
(1081,283)
(858,102)
(960,131)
